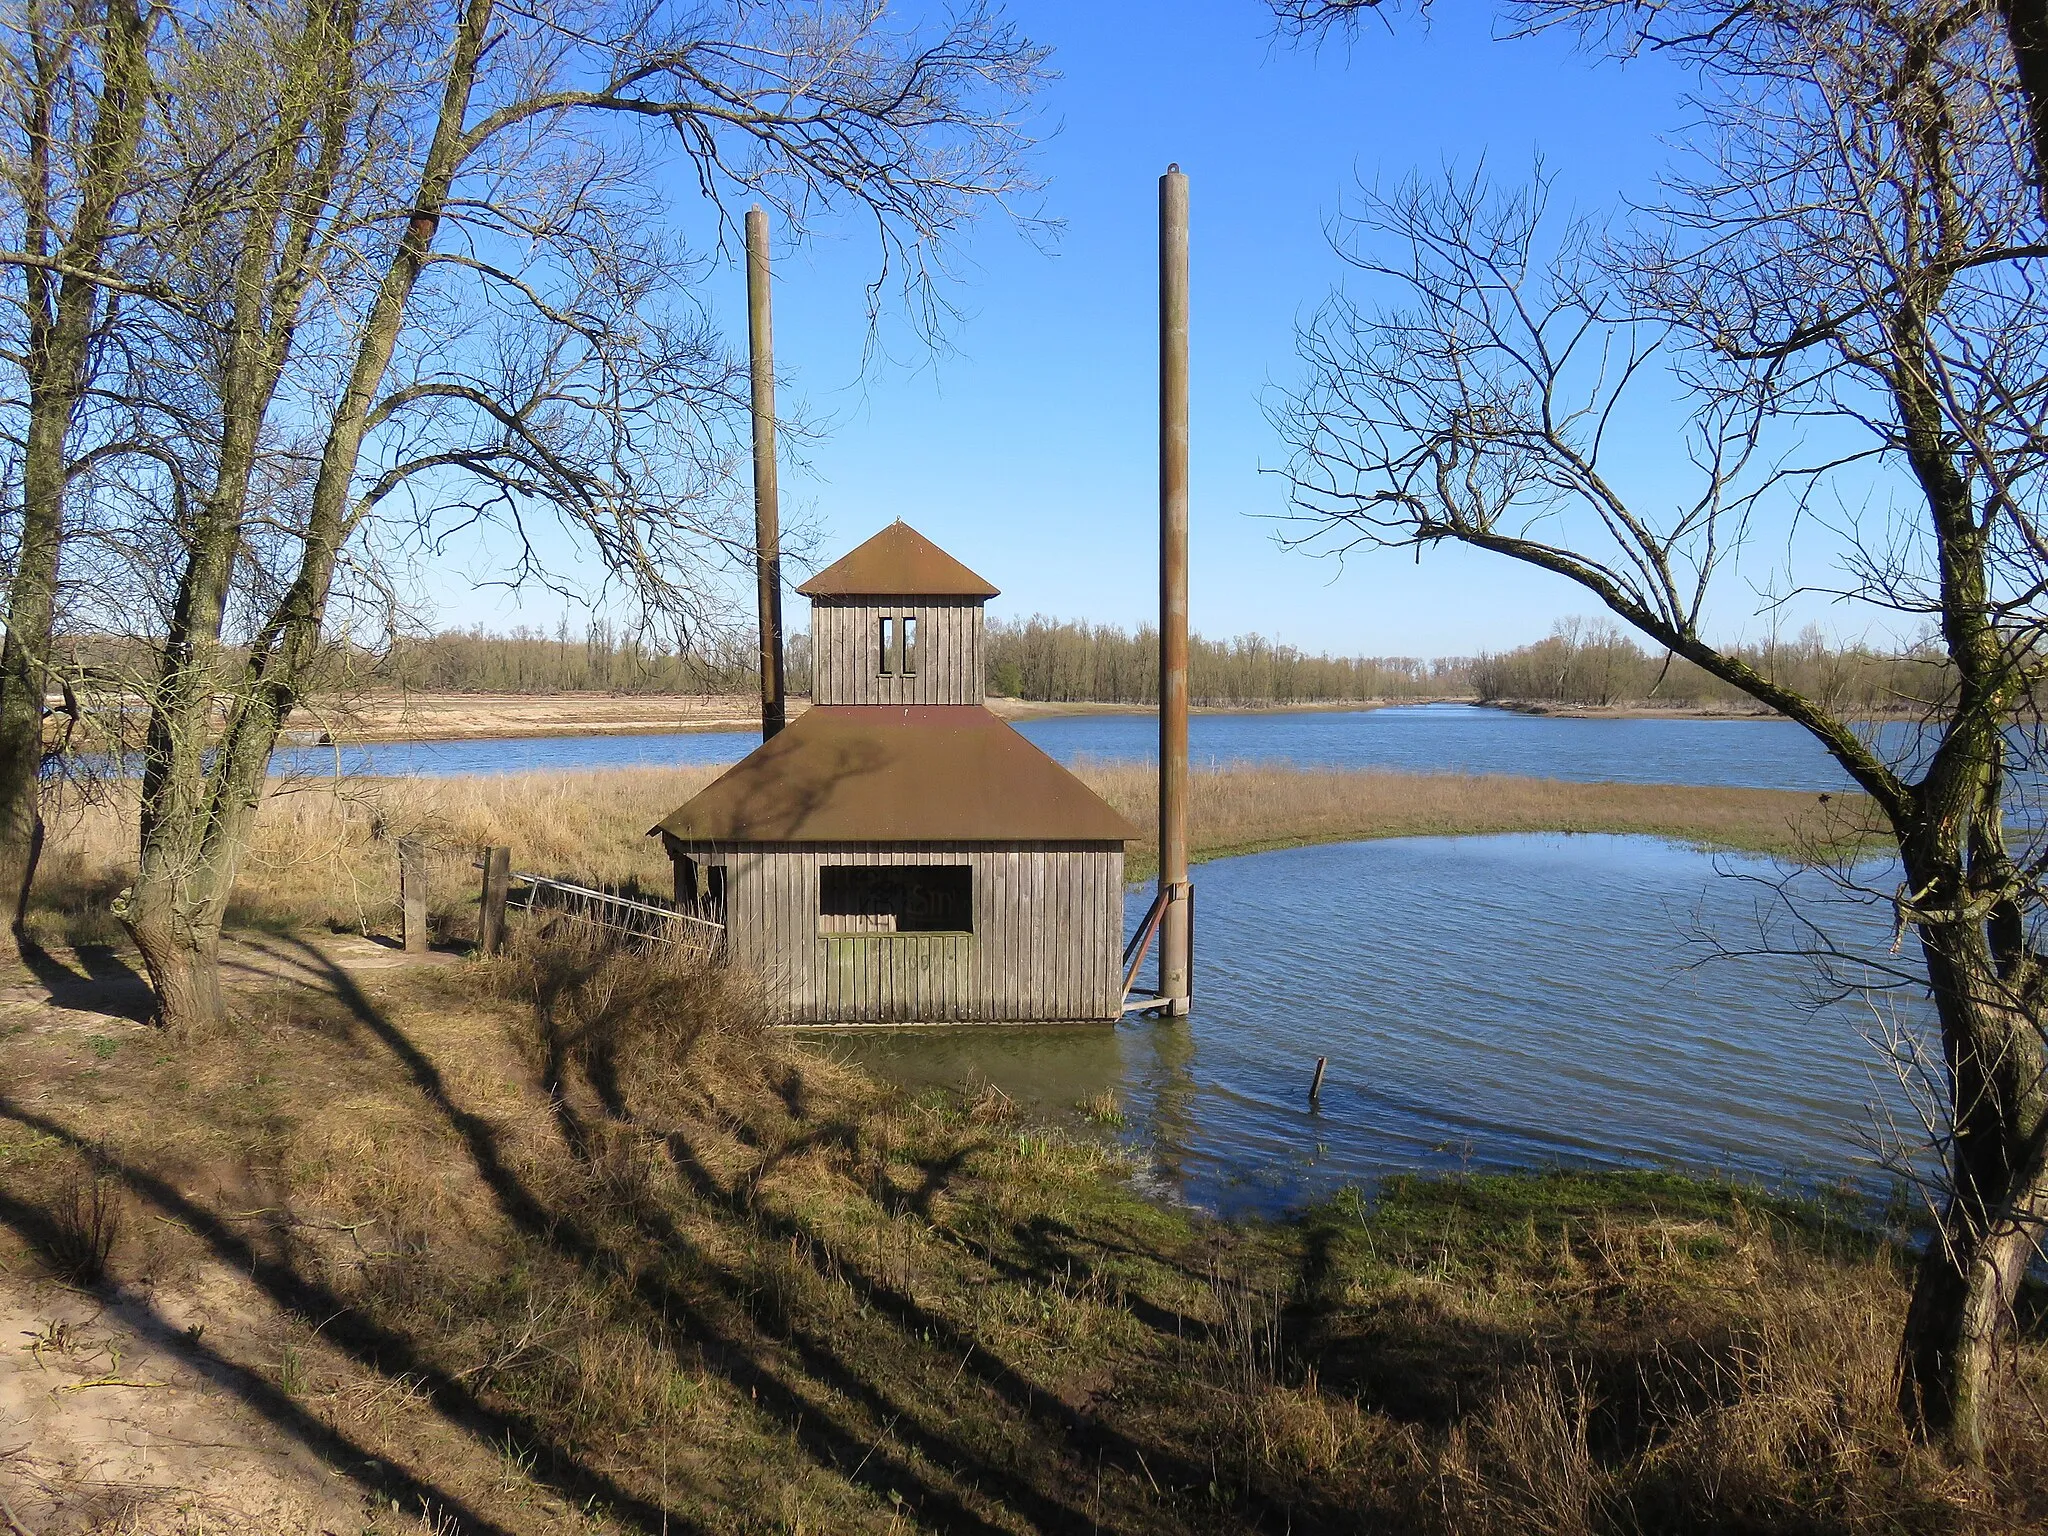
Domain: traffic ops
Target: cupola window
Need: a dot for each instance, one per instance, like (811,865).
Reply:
(897,645)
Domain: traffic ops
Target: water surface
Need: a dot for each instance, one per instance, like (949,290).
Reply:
(1486,1003)
(1764,754)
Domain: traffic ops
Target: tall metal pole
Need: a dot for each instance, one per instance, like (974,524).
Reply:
(767,503)
(1175,929)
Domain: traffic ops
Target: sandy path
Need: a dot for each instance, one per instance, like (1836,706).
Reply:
(107,1423)
(103,986)
(139,1413)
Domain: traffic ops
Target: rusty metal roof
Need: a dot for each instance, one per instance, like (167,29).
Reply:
(897,562)
(941,773)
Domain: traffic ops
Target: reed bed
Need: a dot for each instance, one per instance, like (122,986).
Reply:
(1248,808)
(325,850)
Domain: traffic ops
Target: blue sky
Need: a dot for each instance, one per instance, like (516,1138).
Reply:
(1029,450)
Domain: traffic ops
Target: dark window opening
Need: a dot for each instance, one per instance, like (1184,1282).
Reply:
(888,646)
(909,647)
(895,898)
(700,888)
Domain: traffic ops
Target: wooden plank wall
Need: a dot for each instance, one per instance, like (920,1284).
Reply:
(1049,928)
(846,651)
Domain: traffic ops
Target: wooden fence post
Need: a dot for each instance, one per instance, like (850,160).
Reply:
(490,922)
(412,894)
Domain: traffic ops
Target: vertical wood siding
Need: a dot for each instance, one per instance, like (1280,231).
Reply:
(1048,935)
(846,651)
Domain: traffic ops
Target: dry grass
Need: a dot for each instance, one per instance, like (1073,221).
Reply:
(1249,808)
(85,1223)
(324,852)
(564,1243)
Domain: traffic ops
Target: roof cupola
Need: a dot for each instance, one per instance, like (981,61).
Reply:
(897,621)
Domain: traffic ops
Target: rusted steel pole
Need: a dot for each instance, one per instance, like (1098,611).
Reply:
(767,503)
(1175,936)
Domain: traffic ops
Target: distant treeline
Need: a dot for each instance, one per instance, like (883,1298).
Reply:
(1591,663)
(1041,658)
(600,660)
(1582,662)
(1036,658)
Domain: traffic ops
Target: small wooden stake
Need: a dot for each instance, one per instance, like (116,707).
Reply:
(412,894)
(1315,1089)
(490,922)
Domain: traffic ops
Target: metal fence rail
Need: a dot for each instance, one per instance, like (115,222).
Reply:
(612,899)
(622,914)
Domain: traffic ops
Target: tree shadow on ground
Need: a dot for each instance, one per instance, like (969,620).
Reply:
(854,1453)
(294,1295)
(1080,1435)
(103,983)
(1055,1448)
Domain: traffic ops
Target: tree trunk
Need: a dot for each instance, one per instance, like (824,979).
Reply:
(195,828)
(200,800)
(1962,1304)
(31,609)
(194,831)
(57,362)
(1970,1275)
(182,957)
(195,813)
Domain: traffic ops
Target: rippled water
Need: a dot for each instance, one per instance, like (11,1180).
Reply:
(1767,754)
(1485,1002)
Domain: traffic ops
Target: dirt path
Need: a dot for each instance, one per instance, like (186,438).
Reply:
(136,1413)
(108,1424)
(100,985)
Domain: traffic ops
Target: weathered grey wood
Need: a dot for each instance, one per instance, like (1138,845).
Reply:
(490,922)
(846,651)
(412,894)
(1048,931)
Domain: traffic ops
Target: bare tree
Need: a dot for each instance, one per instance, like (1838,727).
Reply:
(425,286)
(75,89)
(1844,290)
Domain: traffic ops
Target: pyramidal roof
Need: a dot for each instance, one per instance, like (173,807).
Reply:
(897,562)
(914,773)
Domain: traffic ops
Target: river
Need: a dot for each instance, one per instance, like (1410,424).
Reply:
(1765,754)
(1486,1003)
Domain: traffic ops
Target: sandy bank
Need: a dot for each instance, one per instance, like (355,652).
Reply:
(1642,711)
(486,716)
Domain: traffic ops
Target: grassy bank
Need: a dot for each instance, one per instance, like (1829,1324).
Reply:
(1249,809)
(324,852)
(560,1244)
